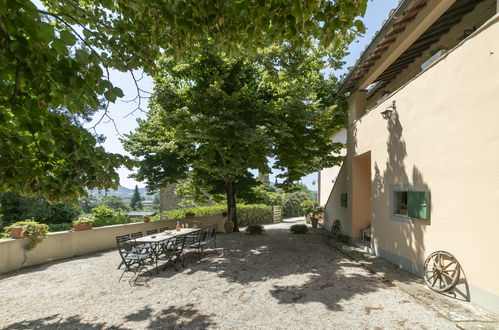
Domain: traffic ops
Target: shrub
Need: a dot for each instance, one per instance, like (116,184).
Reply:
(299,229)
(255,229)
(53,227)
(307,206)
(246,214)
(62,213)
(106,217)
(35,231)
(292,201)
(83,220)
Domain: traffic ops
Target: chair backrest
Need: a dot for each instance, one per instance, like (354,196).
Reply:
(162,229)
(213,231)
(152,232)
(180,242)
(122,238)
(136,235)
(125,248)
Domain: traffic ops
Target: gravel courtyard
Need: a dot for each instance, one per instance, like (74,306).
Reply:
(272,281)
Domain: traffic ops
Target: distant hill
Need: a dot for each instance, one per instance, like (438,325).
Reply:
(121,192)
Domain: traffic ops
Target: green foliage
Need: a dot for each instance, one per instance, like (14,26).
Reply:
(35,231)
(136,200)
(156,202)
(87,204)
(83,221)
(107,217)
(264,194)
(213,118)
(299,229)
(54,67)
(292,201)
(248,214)
(53,227)
(307,206)
(115,203)
(14,207)
(255,229)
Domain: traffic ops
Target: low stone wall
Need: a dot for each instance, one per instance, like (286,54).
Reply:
(68,244)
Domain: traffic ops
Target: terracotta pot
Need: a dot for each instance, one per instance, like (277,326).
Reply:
(16,232)
(315,222)
(190,216)
(82,226)
(403,211)
(147,220)
(228,226)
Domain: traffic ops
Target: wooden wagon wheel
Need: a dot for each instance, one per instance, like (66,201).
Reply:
(441,271)
(336,226)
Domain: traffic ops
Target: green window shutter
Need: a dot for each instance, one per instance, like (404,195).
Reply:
(344,200)
(418,204)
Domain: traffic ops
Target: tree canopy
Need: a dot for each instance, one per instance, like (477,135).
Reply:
(55,61)
(136,200)
(213,118)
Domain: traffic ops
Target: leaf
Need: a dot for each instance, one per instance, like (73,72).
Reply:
(67,38)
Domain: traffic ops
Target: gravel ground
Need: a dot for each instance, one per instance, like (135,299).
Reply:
(272,281)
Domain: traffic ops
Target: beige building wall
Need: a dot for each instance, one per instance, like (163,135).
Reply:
(327,176)
(443,138)
(333,209)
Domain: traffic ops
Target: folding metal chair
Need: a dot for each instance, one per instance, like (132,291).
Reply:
(131,257)
(173,250)
(152,232)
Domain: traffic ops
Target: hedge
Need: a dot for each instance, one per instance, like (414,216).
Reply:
(246,214)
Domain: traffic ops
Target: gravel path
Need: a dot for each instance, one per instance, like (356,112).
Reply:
(270,281)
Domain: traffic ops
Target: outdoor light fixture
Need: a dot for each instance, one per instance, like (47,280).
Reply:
(387,114)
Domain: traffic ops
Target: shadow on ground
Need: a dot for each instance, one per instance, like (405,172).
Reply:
(169,318)
(300,268)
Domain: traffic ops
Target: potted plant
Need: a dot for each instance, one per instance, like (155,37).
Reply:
(83,223)
(307,207)
(403,208)
(34,231)
(317,212)
(255,229)
(190,215)
(147,219)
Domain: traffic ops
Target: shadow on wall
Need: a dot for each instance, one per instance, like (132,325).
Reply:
(404,238)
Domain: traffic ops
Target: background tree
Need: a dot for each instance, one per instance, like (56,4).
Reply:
(55,61)
(213,117)
(114,203)
(136,200)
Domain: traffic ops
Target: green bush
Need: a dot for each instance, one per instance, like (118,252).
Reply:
(83,221)
(53,227)
(35,231)
(14,207)
(107,217)
(299,229)
(62,213)
(255,229)
(246,214)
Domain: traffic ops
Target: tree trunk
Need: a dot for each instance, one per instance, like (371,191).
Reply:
(231,203)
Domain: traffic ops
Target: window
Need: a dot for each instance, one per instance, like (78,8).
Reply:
(344,200)
(412,204)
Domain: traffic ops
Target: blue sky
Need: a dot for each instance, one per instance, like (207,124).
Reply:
(377,12)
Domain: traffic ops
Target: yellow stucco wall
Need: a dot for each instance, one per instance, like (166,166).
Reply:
(444,138)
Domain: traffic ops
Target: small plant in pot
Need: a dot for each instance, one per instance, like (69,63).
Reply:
(317,212)
(34,231)
(298,229)
(147,219)
(83,223)
(255,229)
(403,208)
(307,206)
(343,238)
(190,215)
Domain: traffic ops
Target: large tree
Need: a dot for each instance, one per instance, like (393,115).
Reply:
(55,61)
(213,118)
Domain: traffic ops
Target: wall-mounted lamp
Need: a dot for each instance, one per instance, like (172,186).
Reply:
(387,114)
